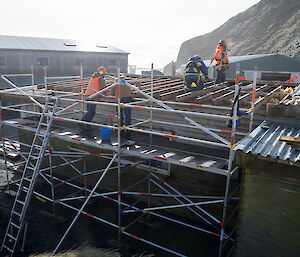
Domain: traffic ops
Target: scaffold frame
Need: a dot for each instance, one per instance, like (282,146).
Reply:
(115,153)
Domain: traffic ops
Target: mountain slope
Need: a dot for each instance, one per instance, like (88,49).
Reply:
(268,27)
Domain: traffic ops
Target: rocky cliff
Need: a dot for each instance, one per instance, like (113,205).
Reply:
(268,27)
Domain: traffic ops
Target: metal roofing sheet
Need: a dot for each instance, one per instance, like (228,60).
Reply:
(264,140)
(53,44)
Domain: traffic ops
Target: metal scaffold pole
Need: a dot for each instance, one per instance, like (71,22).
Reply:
(82,88)
(231,158)
(253,98)
(151,127)
(4,148)
(151,105)
(45,81)
(119,156)
(34,87)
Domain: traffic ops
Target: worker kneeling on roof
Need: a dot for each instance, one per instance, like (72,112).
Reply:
(96,83)
(192,77)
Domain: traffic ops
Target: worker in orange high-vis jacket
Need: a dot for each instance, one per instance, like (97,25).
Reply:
(222,63)
(96,83)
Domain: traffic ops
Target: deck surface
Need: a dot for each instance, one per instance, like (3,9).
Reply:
(191,156)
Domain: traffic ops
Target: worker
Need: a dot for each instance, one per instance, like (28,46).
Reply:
(222,64)
(125,113)
(96,83)
(192,74)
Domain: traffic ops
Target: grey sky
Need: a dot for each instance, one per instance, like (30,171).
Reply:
(151,31)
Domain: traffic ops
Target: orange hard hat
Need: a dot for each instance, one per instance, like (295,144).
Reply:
(223,42)
(101,70)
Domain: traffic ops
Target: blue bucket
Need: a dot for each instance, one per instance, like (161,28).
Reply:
(105,133)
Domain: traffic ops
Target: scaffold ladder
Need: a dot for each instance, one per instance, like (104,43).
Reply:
(30,174)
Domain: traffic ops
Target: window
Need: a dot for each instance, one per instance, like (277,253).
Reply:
(43,61)
(112,62)
(101,46)
(275,76)
(2,61)
(79,61)
(69,44)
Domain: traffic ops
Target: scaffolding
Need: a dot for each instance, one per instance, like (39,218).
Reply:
(59,111)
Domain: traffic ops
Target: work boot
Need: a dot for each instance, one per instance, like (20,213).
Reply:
(89,135)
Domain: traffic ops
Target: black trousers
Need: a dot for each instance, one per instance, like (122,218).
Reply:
(125,112)
(91,111)
(220,76)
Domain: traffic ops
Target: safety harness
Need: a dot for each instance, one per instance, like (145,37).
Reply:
(192,71)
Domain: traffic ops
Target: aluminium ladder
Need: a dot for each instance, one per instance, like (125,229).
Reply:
(30,174)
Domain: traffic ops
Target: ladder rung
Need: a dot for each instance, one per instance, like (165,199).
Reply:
(7,248)
(16,213)
(20,202)
(31,168)
(37,146)
(24,190)
(15,225)
(41,135)
(27,179)
(10,236)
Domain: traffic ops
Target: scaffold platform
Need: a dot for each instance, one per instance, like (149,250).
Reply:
(169,126)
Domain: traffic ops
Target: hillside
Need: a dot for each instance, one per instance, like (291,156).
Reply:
(268,27)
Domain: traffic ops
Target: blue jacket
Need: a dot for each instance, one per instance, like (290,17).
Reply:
(192,72)
(195,65)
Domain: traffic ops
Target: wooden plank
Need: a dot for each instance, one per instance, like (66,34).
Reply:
(194,94)
(266,98)
(290,139)
(211,94)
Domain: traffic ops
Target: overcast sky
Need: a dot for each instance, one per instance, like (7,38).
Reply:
(151,31)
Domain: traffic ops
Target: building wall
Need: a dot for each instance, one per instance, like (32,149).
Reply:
(274,63)
(269,222)
(249,74)
(58,63)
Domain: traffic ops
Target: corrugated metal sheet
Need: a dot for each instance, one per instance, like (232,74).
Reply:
(53,44)
(264,140)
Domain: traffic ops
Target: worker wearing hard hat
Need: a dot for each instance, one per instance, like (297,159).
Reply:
(192,74)
(96,83)
(222,63)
